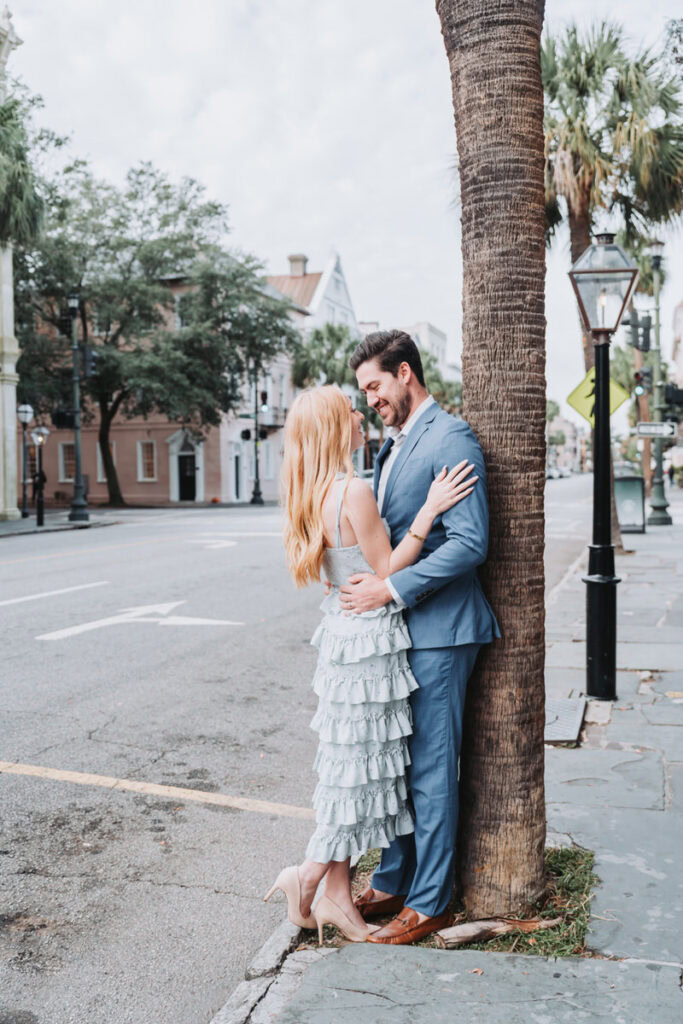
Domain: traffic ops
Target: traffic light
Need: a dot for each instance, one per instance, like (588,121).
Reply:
(90,358)
(631,321)
(673,395)
(643,381)
(639,330)
(63,419)
(645,325)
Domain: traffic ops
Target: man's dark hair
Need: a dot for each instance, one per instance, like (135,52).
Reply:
(390,349)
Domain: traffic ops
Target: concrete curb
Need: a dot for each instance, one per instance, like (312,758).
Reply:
(56,529)
(259,975)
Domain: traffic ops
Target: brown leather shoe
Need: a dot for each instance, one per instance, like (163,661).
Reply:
(407,928)
(371,905)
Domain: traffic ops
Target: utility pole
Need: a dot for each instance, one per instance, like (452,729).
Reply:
(79,506)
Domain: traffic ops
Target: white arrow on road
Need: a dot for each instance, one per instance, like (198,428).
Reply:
(154,613)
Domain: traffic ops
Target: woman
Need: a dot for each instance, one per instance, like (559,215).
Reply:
(362,679)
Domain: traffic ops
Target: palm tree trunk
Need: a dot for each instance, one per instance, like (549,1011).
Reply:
(493,52)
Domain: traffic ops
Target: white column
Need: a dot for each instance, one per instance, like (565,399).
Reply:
(9,349)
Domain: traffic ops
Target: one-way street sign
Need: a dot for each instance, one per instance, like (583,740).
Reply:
(656,429)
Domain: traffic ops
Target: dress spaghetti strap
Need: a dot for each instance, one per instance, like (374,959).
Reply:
(340,498)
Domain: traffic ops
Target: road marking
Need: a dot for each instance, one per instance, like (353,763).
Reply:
(154,613)
(53,593)
(240,803)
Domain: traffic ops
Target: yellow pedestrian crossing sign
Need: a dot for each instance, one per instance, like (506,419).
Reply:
(582,398)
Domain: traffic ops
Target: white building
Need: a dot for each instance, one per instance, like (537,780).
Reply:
(677,351)
(318,298)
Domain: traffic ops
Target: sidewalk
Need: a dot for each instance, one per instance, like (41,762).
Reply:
(54,522)
(620,793)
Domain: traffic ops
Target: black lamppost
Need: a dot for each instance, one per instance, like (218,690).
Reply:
(39,437)
(25,414)
(79,506)
(256,497)
(659,516)
(603,279)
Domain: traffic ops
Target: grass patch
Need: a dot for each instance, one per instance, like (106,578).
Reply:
(571,880)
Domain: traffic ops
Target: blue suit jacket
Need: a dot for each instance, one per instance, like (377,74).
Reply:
(445,603)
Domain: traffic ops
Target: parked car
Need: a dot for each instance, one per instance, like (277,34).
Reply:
(552,473)
(565,471)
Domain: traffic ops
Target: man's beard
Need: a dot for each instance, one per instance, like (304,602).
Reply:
(400,409)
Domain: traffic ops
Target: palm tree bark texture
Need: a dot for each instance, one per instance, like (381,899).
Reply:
(493,51)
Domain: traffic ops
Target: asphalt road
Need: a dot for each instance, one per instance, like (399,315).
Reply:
(176,655)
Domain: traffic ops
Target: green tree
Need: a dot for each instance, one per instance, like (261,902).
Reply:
(613,136)
(552,410)
(127,252)
(21,203)
(448,393)
(323,357)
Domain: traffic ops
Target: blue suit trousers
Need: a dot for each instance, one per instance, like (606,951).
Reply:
(421,865)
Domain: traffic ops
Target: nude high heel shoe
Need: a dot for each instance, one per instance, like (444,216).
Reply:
(329,912)
(288,882)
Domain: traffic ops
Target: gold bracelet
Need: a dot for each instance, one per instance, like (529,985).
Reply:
(416,536)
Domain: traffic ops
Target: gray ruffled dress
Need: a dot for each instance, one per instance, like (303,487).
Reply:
(363,681)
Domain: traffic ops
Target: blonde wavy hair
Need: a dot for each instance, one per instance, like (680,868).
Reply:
(318,434)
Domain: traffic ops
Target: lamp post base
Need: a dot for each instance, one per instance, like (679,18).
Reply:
(659,515)
(256,498)
(79,512)
(601,623)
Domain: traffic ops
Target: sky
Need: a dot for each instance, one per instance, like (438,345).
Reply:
(321,125)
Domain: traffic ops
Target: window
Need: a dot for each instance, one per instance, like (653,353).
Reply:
(330,312)
(101,475)
(147,461)
(67,462)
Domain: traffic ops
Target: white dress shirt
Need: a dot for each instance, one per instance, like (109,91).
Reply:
(399,437)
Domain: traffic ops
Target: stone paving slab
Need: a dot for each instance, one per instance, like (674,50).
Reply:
(638,906)
(641,657)
(604,778)
(676,784)
(407,985)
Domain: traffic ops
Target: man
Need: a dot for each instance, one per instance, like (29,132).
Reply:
(447,615)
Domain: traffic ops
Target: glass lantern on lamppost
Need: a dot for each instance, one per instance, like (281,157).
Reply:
(39,436)
(603,279)
(25,414)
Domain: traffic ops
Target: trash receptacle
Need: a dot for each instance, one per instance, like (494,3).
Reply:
(629,497)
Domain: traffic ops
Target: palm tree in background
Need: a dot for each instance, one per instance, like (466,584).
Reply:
(21,205)
(494,56)
(613,137)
